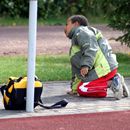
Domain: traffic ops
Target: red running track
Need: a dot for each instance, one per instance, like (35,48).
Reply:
(92,121)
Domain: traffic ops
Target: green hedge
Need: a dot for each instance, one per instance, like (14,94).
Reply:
(49,8)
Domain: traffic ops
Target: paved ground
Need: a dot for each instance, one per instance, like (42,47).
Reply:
(50,40)
(55,91)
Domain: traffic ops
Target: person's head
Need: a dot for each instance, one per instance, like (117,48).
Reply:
(75,21)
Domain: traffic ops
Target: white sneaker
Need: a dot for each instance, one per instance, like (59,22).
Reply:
(126,92)
(116,87)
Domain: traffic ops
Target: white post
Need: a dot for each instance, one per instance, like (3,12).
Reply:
(31,55)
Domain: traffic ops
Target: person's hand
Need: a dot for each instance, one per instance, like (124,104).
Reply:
(84,71)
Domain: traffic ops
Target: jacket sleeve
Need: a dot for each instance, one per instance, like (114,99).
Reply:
(89,46)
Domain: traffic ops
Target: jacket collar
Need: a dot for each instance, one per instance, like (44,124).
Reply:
(72,32)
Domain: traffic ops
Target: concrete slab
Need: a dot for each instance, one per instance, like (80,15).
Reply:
(56,91)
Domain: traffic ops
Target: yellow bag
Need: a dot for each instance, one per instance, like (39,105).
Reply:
(14,93)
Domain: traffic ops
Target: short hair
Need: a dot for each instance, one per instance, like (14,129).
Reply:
(82,20)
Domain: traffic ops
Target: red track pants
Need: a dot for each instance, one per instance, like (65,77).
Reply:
(96,88)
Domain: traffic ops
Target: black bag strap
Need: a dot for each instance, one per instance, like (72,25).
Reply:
(58,104)
(19,79)
(2,88)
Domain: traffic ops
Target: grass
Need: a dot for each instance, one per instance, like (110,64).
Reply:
(8,21)
(52,21)
(12,66)
(49,68)
(97,19)
(53,67)
(124,64)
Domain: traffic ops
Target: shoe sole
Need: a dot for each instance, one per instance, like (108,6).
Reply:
(125,88)
(118,94)
(125,91)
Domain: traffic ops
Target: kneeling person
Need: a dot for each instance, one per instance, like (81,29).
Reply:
(94,66)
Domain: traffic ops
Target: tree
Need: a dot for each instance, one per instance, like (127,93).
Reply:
(17,8)
(118,12)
